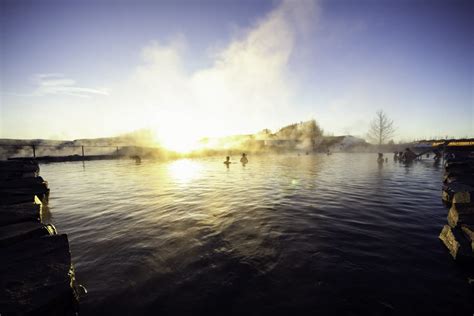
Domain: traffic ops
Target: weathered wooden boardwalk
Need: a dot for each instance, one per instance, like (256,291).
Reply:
(36,273)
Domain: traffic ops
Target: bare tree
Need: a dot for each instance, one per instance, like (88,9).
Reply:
(381,128)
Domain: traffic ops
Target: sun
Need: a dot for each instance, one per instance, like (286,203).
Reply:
(182,139)
(181,145)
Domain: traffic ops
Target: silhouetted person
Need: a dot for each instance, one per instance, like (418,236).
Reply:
(137,158)
(395,156)
(380,158)
(227,161)
(409,155)
(244,159)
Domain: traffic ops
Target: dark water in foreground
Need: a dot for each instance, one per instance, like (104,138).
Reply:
(312,234)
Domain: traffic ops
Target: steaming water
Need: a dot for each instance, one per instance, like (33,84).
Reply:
(332,234)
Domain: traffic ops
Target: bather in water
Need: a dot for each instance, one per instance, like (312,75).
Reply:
(380,159)
(227,161)
(244,159)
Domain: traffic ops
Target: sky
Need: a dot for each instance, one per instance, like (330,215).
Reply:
(189,69)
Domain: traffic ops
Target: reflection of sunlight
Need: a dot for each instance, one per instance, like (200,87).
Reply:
(184,170)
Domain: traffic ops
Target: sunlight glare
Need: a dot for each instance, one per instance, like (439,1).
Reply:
(179,137)
(184,170)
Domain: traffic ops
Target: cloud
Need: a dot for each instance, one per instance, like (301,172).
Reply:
(247,86)
(58,84)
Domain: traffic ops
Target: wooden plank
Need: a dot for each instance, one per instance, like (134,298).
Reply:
(35,277)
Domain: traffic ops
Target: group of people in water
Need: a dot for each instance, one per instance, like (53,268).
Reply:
(405,156)
(408,155)
(243,160)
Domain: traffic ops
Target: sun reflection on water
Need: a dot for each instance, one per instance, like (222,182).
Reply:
(184,170)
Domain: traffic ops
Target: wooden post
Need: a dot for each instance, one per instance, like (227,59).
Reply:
(82,152)
(116,151)
(34,151)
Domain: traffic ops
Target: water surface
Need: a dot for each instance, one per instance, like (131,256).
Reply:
(335,234)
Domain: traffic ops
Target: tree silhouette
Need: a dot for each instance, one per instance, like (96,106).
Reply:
(381,128)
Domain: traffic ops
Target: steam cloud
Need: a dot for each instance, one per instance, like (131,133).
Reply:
(246,88)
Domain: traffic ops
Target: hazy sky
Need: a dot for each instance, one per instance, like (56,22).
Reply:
(75,69)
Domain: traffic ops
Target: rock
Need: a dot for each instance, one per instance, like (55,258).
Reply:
(462,164)
(36,274)
(18,169)
(21,212)
(36,183)
(17,193)
(36,277)
(463,197)
(17,199)
(461,178)
(25,186)
(468,231)
(23,182)
(18,232)
(459,214)
(449,240)
(459,191)
(457,244)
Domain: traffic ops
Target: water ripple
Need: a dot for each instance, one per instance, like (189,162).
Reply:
(332,234)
